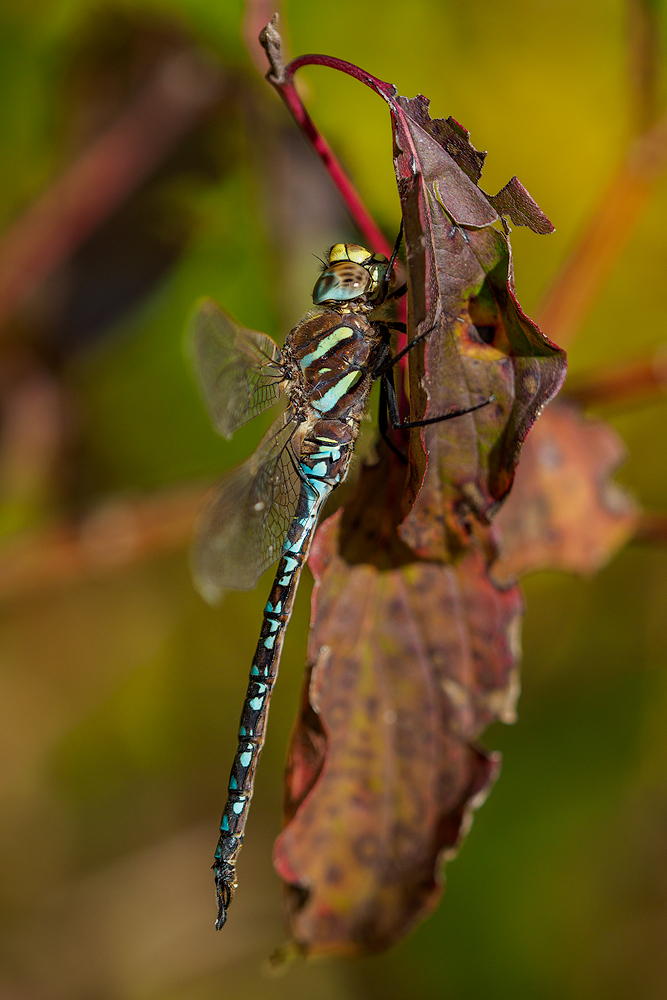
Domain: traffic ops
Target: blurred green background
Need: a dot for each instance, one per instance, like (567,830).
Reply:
(119,689)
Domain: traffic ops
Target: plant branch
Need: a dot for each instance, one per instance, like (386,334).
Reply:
(652,529)
(577,285)
(644,61)
(281,77)
(120,533)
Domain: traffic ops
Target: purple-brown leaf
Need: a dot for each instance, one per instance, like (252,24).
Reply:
(481,345)
(407,666)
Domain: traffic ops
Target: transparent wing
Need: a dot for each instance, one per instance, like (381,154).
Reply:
(243,526)
(239,371)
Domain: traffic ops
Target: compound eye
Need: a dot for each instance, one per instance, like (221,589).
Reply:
(341,282)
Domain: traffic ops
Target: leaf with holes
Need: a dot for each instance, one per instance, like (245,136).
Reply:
(480,346)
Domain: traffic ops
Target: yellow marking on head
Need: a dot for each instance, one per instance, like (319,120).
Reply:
(356,253)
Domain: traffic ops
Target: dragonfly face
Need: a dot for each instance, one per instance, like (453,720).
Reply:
(352,276)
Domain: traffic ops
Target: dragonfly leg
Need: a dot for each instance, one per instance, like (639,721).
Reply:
(389,413)
(385,295)
(406,424)
(388,403)
(397,293)
(394,325)
(296,465)
(406,350)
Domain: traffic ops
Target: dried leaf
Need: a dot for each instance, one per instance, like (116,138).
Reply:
(481,344)
(408,665)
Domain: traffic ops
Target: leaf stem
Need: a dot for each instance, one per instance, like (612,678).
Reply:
(281,77)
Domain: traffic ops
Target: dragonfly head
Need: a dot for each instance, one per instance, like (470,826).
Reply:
(351,273)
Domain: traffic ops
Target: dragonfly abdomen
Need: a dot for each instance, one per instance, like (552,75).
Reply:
(314,492)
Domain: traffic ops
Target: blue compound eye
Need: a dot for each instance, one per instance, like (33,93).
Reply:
(342,281)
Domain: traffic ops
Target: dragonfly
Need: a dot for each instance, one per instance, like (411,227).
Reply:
(268,507)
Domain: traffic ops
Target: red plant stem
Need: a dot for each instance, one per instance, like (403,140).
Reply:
(104,175)
(371,233)
(282,78)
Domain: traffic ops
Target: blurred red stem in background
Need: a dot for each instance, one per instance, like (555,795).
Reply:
(128,531)
(578,284)
(644,39)
(104,175)
(652,529)
(628,382)
(119,533)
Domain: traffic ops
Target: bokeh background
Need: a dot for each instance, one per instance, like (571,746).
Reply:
(144,162)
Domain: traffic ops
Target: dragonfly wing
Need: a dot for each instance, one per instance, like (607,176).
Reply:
(242,528)
(239,371)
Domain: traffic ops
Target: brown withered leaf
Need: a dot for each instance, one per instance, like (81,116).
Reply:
(407,666)
(480,345)
(564,511)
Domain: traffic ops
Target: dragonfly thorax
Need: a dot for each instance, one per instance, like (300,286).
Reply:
(332,358)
